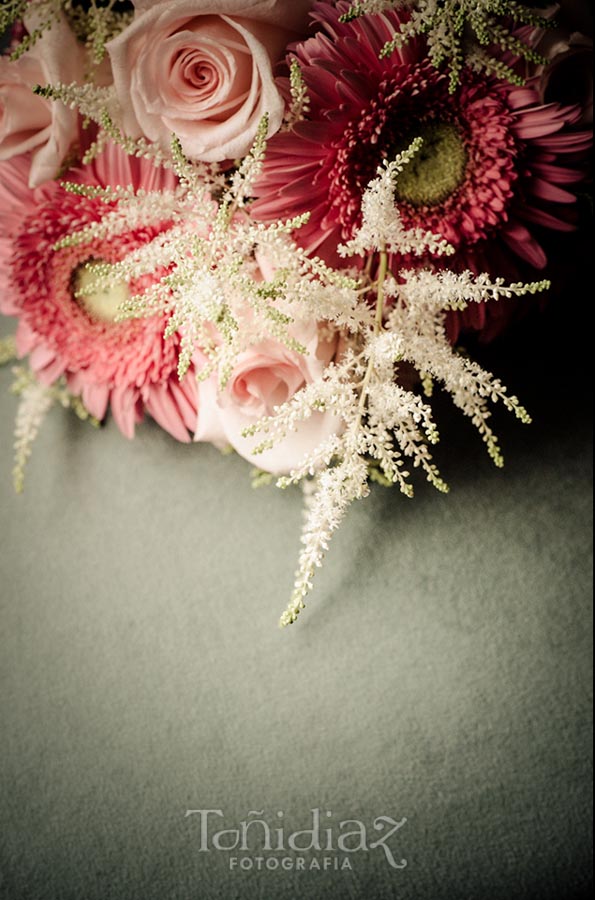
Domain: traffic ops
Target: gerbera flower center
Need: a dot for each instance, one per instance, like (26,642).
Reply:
(437,169)
(100,305)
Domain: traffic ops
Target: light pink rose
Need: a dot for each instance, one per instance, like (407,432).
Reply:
(265,376)
(203,70)
(28,123)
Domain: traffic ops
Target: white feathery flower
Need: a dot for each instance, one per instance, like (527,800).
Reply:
(382,227)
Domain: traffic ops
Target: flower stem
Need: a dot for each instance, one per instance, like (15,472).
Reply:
(382,272)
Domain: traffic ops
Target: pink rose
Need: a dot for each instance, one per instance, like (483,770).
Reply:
(28,123)
(203,70)
(265,376)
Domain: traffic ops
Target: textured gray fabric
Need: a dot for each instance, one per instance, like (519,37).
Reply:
(441,671)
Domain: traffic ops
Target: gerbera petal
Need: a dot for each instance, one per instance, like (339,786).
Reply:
(50,372)
(41,356)
(522,242)
(573,142)
(161,405)
(545,219)
(522,97)
(123,402)
(185,396)
(96,398)
(548,191)
(557,174)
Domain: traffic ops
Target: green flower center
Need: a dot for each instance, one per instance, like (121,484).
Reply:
(437,169)
(100,305)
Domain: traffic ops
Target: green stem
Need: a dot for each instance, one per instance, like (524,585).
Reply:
(382,272)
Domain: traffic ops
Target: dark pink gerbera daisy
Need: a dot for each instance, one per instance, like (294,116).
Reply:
(126,366)
(496,163)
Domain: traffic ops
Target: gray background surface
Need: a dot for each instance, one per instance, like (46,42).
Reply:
(442,669)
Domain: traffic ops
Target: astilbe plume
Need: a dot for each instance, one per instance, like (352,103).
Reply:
(460,32)
(384,423)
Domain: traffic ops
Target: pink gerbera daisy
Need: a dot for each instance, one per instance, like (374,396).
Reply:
(126,366)
(496,163)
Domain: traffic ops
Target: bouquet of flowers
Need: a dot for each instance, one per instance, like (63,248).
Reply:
(266,224)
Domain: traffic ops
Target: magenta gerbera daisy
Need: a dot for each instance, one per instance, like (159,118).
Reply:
(496,163)
(71,332)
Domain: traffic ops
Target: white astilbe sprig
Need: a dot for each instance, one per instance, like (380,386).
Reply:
(300,100)
(134,210)
(382,227)
(164,249)
(335,391)
(95,22)
(42,13)
(335,489)
(35,401)
(382,421)
(460,32)
(309,284)
(8,349)
(244,177)
(370,8)
(95,102)
(400,426)
(456,290)
(383,429)
(379,420)
(99,104)
(190,203)
(418,317)
(181,214)
(97,25)
(215,279)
